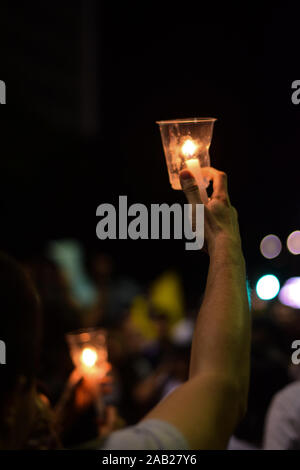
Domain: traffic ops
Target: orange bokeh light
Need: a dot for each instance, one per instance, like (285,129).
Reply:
(89,357)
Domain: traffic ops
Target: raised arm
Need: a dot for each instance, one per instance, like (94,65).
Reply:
(207,408)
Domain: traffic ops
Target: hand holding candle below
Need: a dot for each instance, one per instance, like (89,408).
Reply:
(188,150)
(80,392)
(90,373)
(93,373)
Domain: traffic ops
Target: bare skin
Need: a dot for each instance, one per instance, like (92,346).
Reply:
(207,408)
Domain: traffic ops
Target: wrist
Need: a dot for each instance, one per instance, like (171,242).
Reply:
(226,250)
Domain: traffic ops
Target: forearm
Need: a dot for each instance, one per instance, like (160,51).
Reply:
(207,407)
(221,342)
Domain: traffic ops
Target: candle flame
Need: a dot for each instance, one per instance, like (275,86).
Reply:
(89,357)
(189,147)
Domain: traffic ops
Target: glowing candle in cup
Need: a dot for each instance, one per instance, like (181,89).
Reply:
(186,145)
(88,351)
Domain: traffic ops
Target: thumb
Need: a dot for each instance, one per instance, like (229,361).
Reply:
(191,192)
(189,187)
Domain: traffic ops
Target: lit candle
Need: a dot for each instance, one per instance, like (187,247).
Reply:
(89,357)
(188,149)
(185,139)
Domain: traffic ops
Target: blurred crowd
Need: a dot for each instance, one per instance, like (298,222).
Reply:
(149,333)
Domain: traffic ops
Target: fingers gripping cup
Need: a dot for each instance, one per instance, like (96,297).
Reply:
(186,145)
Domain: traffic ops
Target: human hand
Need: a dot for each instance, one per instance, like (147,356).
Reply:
(221,221)
(79,393)
(88,387)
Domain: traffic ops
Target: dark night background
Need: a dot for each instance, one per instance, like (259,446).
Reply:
(86,82)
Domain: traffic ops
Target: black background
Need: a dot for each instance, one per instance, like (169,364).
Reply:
(134,63)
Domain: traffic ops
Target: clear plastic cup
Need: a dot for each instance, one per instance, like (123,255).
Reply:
(186,144)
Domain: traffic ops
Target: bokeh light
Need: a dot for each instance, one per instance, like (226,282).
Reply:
(290,293)
(270,246)
(267,287)
(293,242)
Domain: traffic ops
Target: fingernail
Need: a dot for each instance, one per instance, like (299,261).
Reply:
(186,175)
